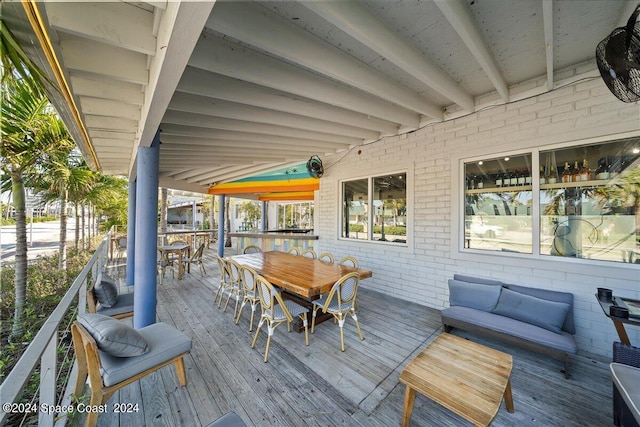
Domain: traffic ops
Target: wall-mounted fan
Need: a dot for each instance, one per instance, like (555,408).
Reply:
(314,167)
(618,58)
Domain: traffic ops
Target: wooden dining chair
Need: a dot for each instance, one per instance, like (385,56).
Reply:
(309,253)
(248,292)
(340,303)
(224,284)
(349,261)
(121,247)
(276,310)
(234,290)
(196,259)
(326,256)
(294,251)
(252,249)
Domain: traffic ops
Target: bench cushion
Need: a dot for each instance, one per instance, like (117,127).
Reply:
(112,336)
(165,343)
(537,311)
(123,305)
(627,380)
(564,341)
(557,296)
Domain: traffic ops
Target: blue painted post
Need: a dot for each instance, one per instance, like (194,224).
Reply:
(263,216)
(221,223)
(144,300)
(131,234)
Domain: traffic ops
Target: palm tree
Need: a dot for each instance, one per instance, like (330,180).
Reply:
(24,117)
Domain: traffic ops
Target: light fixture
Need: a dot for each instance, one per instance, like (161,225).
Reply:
(506,159)
(636,150)
(480,162)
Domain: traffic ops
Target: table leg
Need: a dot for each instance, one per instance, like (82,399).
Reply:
(508,397)
(180,266)
(622,332)
(409,399)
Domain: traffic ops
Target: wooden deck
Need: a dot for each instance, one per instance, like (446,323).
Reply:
(319,385)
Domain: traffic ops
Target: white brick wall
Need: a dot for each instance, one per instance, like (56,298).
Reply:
(419,273)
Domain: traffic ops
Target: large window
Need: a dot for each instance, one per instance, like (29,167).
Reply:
(375,208)
(586,202)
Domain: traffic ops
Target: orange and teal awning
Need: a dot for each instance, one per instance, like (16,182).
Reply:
(293,183)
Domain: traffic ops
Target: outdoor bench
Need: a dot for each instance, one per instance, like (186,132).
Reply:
(540,320)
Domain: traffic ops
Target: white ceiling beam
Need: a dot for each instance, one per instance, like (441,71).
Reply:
(105,107)
(201,82)
(189,173)
(217,146)
(180,27)
(220,56)
(121,24)
(243,171)
(96,87)
(110,123)
(461,19)
(96,58)
(199,120)
(218,108)
(197,132)
(356,20)
(214,139)
(202,175)
(547,18)
(257,27)
(124,136)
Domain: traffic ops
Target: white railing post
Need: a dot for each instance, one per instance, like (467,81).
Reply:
(48,363)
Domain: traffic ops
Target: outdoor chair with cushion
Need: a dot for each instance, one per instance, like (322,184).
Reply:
(340,303)
(163,263)
(230,419)
(276,310)
(114,355)
(196,259)
(103,298)
(625,373)
(121,247)
(249,292)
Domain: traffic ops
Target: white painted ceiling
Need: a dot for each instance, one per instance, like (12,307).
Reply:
(238,88)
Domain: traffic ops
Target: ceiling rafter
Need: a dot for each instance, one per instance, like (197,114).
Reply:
(270,32)
(356,20)
(223,57)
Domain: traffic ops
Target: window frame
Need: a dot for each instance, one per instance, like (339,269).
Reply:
(458,203)
(409,197)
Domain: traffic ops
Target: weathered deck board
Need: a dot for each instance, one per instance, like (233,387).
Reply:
(319,385)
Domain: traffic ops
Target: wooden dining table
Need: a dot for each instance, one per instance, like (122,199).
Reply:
(178,249)
(303,279)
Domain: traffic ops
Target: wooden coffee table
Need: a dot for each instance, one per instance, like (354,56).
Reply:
(467,378)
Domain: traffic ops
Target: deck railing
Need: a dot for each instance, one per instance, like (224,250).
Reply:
(42,352)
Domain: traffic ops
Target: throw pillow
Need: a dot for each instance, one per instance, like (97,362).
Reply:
(114,337)
(473,295)
(106,290)
(546,314)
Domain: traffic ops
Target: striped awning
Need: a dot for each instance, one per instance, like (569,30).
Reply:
(292,183)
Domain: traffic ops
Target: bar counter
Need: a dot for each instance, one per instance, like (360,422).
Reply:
(274,240)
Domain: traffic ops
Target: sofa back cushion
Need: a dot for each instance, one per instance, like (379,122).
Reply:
(546,314)
(105,290)
(473,295)
(564,297)
(480,280)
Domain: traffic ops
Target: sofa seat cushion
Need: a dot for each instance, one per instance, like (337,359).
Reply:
(627,380)
(123,305)
(563,341)
(164,341)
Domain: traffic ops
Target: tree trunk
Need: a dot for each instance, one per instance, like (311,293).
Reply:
(77,228)
(89,225)
(62,262)
(83,227)
(19,203)
(227,240)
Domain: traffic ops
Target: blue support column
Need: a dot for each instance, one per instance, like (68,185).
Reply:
(263,216)
(131,234)
(221,223)
(144,300)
